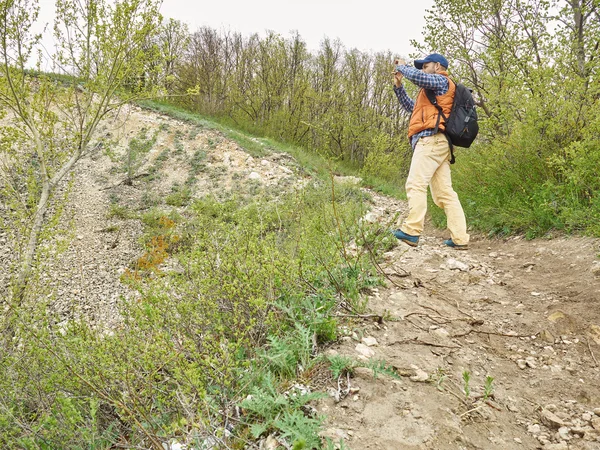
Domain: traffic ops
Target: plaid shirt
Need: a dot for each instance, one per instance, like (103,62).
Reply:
(435,82)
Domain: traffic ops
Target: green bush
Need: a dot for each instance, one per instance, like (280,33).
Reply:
(259,291)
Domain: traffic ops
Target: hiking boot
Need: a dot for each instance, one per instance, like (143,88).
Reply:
(407,238)
(450,243)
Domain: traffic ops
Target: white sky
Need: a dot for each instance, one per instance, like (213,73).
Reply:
(371,25)
(377,25)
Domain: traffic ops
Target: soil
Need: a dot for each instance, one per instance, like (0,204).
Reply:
(525,313)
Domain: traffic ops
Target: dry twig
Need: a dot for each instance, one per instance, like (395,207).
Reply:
(591,352)
(420,342)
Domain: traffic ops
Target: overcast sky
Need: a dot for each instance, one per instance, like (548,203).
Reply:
(368,25)
(376,25)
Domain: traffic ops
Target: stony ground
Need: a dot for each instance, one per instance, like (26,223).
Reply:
(525,313)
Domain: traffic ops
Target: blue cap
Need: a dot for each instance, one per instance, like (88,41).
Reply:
(434,57)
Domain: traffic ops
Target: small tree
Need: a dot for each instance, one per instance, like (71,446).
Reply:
(50,121)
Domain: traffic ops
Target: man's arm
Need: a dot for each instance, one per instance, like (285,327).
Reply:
(407,103)
(432,81)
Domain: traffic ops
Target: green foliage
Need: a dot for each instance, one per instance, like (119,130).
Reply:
(384,159)
(380,366)
(120,212)
(339,365)
(137,148)
(180,196)
(466,376)
(99,47)
(287,354)
(273,411)
(488,387)
(531,170)
(257,295)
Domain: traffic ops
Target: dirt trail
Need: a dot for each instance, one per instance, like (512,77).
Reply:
(523,312)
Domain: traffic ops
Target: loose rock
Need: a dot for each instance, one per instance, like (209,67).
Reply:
(454,264)
(369,341)
(551,420)
(364,351)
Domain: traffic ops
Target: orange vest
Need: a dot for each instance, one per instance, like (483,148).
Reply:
(425,115)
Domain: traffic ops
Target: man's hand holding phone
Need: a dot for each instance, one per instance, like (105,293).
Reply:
(398,75)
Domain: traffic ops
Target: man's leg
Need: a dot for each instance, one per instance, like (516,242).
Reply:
(425,161)
(446,198)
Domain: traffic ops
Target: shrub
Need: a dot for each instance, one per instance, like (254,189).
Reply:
(258,293)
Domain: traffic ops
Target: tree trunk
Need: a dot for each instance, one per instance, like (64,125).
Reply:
(27,261)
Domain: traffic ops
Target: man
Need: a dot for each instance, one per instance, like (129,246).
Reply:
(430,164)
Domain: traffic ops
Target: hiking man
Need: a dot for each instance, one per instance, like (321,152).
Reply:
(430,164)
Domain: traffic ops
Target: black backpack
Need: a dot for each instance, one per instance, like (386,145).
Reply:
(461,127)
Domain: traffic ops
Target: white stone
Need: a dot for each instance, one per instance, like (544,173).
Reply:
(369,341)
(441,332)
(370,217)
(563,432)
(454,264)
(420,375)
(254,176)
(530,361)
(365,351)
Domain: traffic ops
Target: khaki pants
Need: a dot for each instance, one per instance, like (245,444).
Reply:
(430,165)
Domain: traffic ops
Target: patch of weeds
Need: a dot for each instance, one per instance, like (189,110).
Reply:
(352,281)
(466,376)
(488,387)
(164,126)
(157,221)
(110,229)
(135,156)
(194,132)
(254,188)
(160,241)
(197,162)
(472,398)
(217,172)
(120,212)
(163,156)
(180,196)
(340,365)
(284,355)
(179,148)
(382,367)
(272,411)
(149,200)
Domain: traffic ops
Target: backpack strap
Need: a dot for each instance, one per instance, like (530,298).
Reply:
(433,100)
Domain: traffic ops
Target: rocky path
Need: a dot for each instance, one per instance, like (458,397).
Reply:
(526,313)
